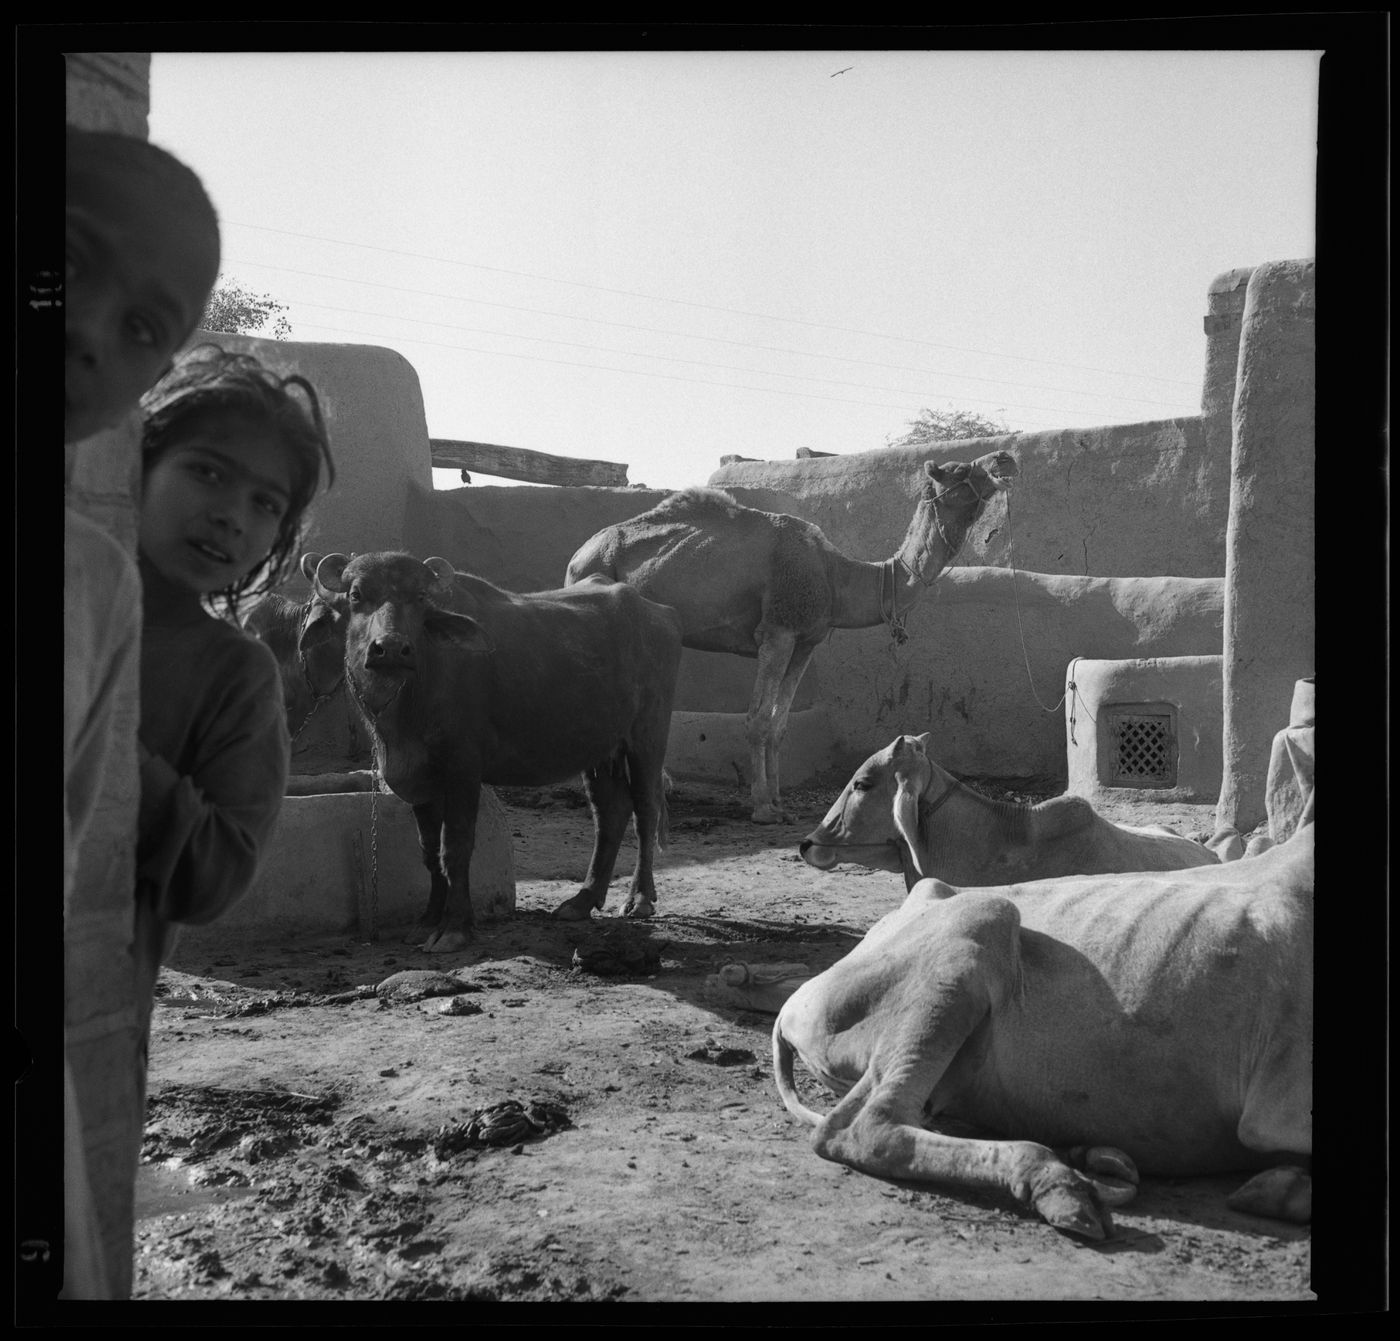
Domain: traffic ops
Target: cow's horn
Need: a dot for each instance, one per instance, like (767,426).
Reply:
(308,566)
(442,571)
(329,572)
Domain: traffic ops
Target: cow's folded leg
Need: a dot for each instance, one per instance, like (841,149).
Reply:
(1282,1193)
(1032,1173)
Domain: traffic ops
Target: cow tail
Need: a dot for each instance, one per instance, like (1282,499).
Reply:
(783,1053)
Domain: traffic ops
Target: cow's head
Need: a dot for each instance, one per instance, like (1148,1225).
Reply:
(875,821)
(395,623)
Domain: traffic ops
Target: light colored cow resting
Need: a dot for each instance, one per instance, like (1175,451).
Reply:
(901,811)
(1159,1021)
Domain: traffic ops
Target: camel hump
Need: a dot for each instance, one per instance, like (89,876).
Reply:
(697,501)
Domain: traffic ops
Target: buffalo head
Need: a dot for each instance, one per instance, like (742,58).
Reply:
(396,625)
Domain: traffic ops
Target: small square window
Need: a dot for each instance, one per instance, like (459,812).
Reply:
(1142,748)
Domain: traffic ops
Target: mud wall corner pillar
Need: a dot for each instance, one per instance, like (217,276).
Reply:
(1270,617)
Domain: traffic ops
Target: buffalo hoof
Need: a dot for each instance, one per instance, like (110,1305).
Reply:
(577,909)
(419,933)
(446,942)
(639,908)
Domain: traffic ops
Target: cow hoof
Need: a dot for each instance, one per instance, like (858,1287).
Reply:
(767,815)
(1072,1210)
(1113,1173)
(1284,1193)
(445,942)
(577,909)
(639,908)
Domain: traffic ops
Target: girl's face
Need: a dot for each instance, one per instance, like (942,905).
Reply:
(213,503)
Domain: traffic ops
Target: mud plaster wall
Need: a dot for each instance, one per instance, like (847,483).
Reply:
(1269,577)
(984,666)
(107,91)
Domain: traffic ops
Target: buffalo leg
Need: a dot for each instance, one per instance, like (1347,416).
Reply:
(611,802)
(649,806)
(429,820)
(456,922)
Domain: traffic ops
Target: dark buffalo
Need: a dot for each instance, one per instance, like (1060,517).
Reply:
(463,683)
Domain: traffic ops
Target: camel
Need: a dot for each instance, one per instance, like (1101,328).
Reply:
(772,586)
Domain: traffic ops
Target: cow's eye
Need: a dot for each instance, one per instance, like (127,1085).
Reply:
(860,785)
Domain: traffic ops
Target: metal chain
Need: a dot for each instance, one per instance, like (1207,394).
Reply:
(377,776)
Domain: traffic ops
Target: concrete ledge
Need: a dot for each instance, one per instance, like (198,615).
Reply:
(316,878)
(1150,729)
(712,747)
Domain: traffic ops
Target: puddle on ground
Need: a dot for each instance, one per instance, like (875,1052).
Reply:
(165,1191)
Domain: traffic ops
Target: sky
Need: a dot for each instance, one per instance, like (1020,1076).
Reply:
(662,258)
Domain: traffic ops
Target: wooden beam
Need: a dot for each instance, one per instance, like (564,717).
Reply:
(516,463)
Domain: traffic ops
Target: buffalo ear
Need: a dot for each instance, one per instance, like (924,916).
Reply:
(460,630)
(443,574)
(308,566)
(329,573)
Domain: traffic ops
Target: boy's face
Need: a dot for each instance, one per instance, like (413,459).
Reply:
(212,505)
(137,277)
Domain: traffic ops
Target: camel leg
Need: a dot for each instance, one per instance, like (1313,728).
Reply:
(775,649)
(787,691)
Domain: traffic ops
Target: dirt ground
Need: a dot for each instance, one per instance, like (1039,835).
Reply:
(306,1140)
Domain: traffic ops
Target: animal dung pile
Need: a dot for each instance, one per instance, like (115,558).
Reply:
(507,1123)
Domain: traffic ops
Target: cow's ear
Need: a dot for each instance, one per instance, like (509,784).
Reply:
(329,573)
(443,574)
(308,566)
(906,818)
(924,742)
(460,630)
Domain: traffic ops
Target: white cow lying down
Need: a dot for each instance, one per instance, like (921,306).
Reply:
(1159,1019)
(902,811)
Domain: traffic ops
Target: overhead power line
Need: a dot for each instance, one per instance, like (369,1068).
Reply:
(379,337)
(725,367)
(685,302)
(511,307)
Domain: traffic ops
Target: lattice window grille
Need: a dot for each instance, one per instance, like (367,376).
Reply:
(1144,750)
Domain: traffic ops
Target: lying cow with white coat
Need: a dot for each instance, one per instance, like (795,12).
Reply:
(901,811)
(462,683)
(1157,1021)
